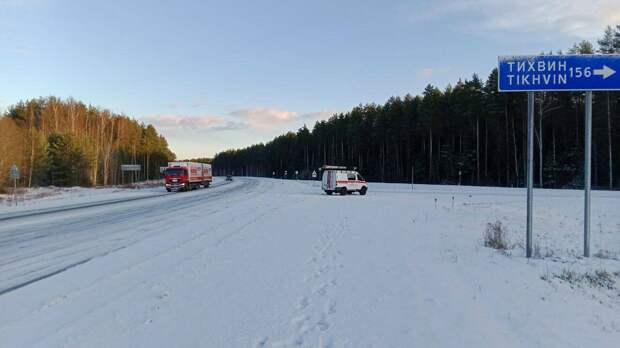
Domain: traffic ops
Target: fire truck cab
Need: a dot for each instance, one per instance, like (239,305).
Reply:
(343,181)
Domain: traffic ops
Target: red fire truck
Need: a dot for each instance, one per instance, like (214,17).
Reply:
(186,176)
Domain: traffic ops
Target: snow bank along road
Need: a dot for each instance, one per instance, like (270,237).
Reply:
(271,263)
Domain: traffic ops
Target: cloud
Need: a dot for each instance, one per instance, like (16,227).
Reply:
(205,122)
(574,18)
(265,117)
(318,115)
(433,71)
(257,118)
(427,72)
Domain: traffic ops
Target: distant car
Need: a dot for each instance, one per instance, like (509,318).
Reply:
(229,178)
(341,180)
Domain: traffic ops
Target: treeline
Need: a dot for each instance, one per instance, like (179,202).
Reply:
(65,143)
(200,160)
(466,133)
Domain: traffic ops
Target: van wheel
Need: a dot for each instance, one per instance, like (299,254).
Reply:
(329,193)
(167,189)
(363,190)
(343,191)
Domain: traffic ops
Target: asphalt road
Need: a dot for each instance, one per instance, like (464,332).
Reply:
(38,244)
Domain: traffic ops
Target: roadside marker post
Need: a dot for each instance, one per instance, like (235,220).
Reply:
(14,173)
(412,176)
(580,73)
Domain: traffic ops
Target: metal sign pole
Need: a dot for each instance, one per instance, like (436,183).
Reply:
(412,168)
(530,171)
(15,191)
(586,174)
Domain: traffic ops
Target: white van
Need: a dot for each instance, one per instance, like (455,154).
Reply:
(342,180)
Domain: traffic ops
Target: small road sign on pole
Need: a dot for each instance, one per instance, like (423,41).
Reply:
(134,168)
(14,172)
(591,72)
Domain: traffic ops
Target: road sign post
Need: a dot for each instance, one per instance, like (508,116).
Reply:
(530,172)
(584,73)
(586,174)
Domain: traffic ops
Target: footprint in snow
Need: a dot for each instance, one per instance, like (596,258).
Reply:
(321,291)
(330,308)
(261,342)
(303,303)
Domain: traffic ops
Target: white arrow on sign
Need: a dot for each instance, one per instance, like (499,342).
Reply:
(605,72)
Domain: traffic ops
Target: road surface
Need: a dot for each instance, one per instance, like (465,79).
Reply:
(272,263)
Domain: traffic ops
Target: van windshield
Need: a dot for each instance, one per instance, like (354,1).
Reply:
(175,172)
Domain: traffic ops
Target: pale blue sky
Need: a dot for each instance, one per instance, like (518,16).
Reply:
(212,75)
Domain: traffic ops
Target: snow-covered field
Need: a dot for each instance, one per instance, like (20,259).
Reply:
(271,263)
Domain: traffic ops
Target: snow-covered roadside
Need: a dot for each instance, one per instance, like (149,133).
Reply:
(279,264)
(55,197)
(48,197)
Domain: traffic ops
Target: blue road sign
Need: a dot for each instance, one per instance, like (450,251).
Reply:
(559,73)
(14,172)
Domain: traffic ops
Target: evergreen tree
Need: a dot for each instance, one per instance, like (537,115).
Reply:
(607,44)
